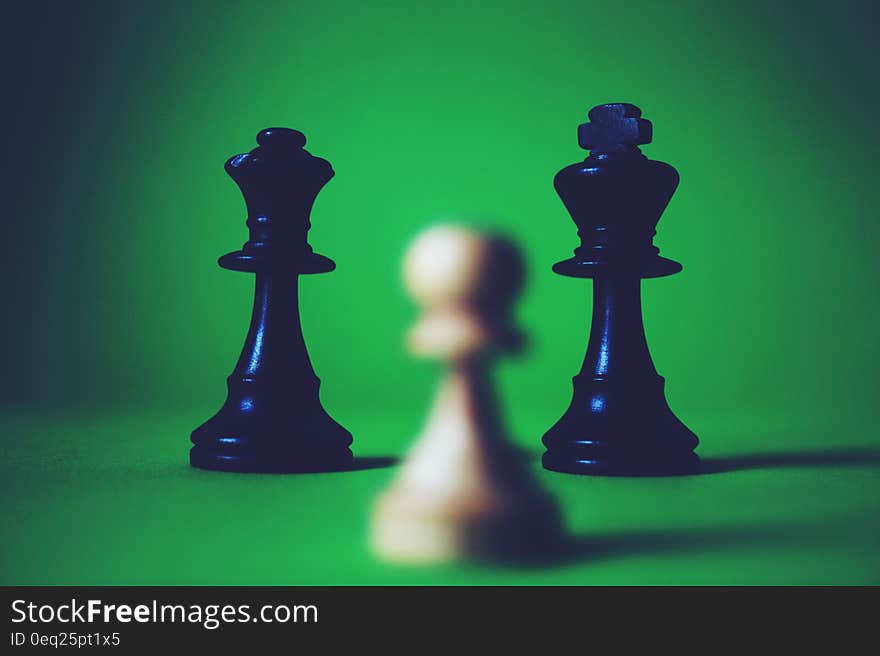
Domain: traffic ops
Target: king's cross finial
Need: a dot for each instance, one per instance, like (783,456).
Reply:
(614,126)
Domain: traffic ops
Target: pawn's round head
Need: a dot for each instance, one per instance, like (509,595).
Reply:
(465,281)
(443,266)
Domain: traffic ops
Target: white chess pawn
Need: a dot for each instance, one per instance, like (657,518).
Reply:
(461,491)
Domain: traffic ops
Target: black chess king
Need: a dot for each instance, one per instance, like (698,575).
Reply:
(272,420)
(618,422)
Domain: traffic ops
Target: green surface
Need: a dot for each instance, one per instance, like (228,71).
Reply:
(110,500)
(121,328)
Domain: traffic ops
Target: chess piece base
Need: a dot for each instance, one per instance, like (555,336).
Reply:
(611,464)
(269,463)
(272,440)
(620,429)
(406,535)
(405,531)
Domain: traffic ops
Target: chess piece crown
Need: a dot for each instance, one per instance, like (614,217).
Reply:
(616,196)
(279,180)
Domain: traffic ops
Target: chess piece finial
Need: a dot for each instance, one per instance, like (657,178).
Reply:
(618,421)
(461,491)
(614,126)
(272,419)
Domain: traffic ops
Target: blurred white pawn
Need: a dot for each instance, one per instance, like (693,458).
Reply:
(461,491)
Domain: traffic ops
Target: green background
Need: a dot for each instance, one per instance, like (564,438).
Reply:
(121,328)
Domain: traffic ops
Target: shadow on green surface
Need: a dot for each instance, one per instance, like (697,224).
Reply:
(844,457)
(595,547)
(360,463)
(857,456)
(373,462)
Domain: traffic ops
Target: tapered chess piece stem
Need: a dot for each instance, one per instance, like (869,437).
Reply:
(462,492)
(618,421)
(272,420)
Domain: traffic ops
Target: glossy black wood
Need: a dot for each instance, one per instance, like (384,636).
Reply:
(618,421)
(273,420)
